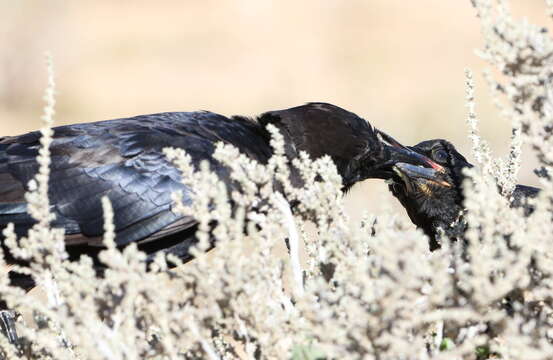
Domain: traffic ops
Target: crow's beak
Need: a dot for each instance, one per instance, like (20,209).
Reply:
(403,154)
(409,172)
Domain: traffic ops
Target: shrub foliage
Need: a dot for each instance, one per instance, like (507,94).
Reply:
(361,291)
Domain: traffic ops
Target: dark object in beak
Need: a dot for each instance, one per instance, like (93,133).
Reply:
(403,154)
(409,172)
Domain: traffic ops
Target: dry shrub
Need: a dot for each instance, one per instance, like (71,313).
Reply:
(368,291)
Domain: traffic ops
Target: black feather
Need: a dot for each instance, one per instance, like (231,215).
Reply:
(123,159)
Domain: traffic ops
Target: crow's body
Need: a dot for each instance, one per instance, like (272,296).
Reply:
(123,160)
(434,199)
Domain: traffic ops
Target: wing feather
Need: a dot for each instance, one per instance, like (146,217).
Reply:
(122,159)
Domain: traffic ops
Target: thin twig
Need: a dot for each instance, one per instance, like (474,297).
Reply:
(293,238)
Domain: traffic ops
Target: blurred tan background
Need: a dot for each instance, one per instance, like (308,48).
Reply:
(399,64)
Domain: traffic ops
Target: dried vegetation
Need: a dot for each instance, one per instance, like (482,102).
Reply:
(363,291)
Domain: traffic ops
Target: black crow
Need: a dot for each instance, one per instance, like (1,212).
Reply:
(434,198)
(123,160)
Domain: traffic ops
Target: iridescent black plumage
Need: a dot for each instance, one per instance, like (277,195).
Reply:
(123,160)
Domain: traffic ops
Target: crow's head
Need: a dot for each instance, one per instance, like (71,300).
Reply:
(432,197)
(359,150)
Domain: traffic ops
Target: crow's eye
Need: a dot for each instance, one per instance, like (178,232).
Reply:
(440,155)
